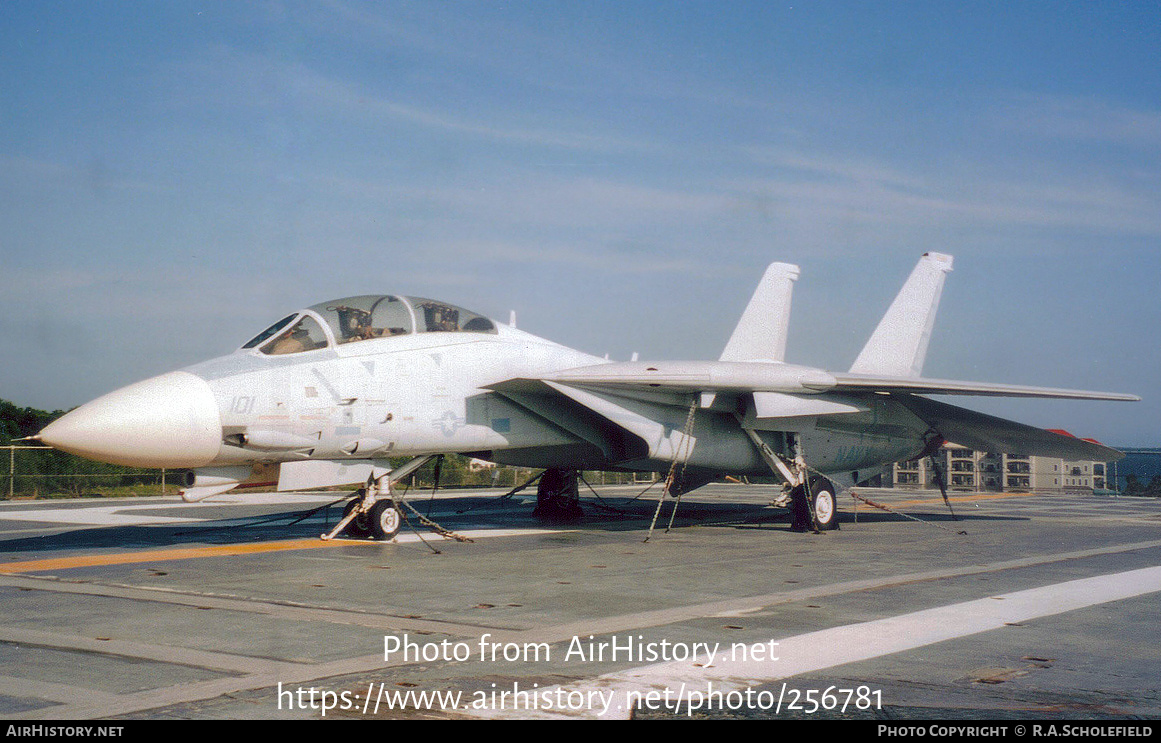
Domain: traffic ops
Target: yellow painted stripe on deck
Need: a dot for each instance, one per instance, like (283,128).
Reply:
(185,553)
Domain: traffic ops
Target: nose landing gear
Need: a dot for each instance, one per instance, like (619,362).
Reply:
(373,511)
(381,522)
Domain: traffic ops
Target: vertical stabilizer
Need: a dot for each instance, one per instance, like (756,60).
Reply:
(761,333)
(898,346)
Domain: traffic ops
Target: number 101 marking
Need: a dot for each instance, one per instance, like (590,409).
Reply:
(242,404)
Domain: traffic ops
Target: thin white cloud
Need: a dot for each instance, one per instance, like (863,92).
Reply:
(96,175)
(230,77)
(855,168)
(581,203)
(590,256)
(829,188)
(1082,118)
(579,61)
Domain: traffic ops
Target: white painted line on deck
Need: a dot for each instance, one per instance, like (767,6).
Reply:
(125,514)
(614,695)
(96,516)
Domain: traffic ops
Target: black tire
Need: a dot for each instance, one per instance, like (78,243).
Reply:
(386,520)
(824,503)
(360,526)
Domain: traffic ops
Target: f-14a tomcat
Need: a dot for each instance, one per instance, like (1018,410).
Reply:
(326,395)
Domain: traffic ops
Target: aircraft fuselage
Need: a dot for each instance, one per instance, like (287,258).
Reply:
(327,394)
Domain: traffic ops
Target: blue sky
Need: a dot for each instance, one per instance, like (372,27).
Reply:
(176,175)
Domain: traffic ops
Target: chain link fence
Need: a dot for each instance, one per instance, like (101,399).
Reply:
(43,472)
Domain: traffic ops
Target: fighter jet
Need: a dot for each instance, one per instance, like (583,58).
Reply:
(328,394)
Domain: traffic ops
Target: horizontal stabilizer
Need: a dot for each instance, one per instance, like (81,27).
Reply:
(898,346)
(762,331)
(988,433)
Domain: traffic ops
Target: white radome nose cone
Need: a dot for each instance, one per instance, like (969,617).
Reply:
(166,421)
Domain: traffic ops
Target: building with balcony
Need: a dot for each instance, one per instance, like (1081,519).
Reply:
(968,470)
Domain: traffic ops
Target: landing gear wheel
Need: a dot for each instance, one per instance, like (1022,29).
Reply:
(824,503)
(799,510)
(385,520)
(360,526)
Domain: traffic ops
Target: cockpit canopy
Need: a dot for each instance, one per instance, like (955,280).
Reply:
(363,318)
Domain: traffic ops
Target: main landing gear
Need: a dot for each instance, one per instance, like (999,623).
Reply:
(811,498)
(557,496)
